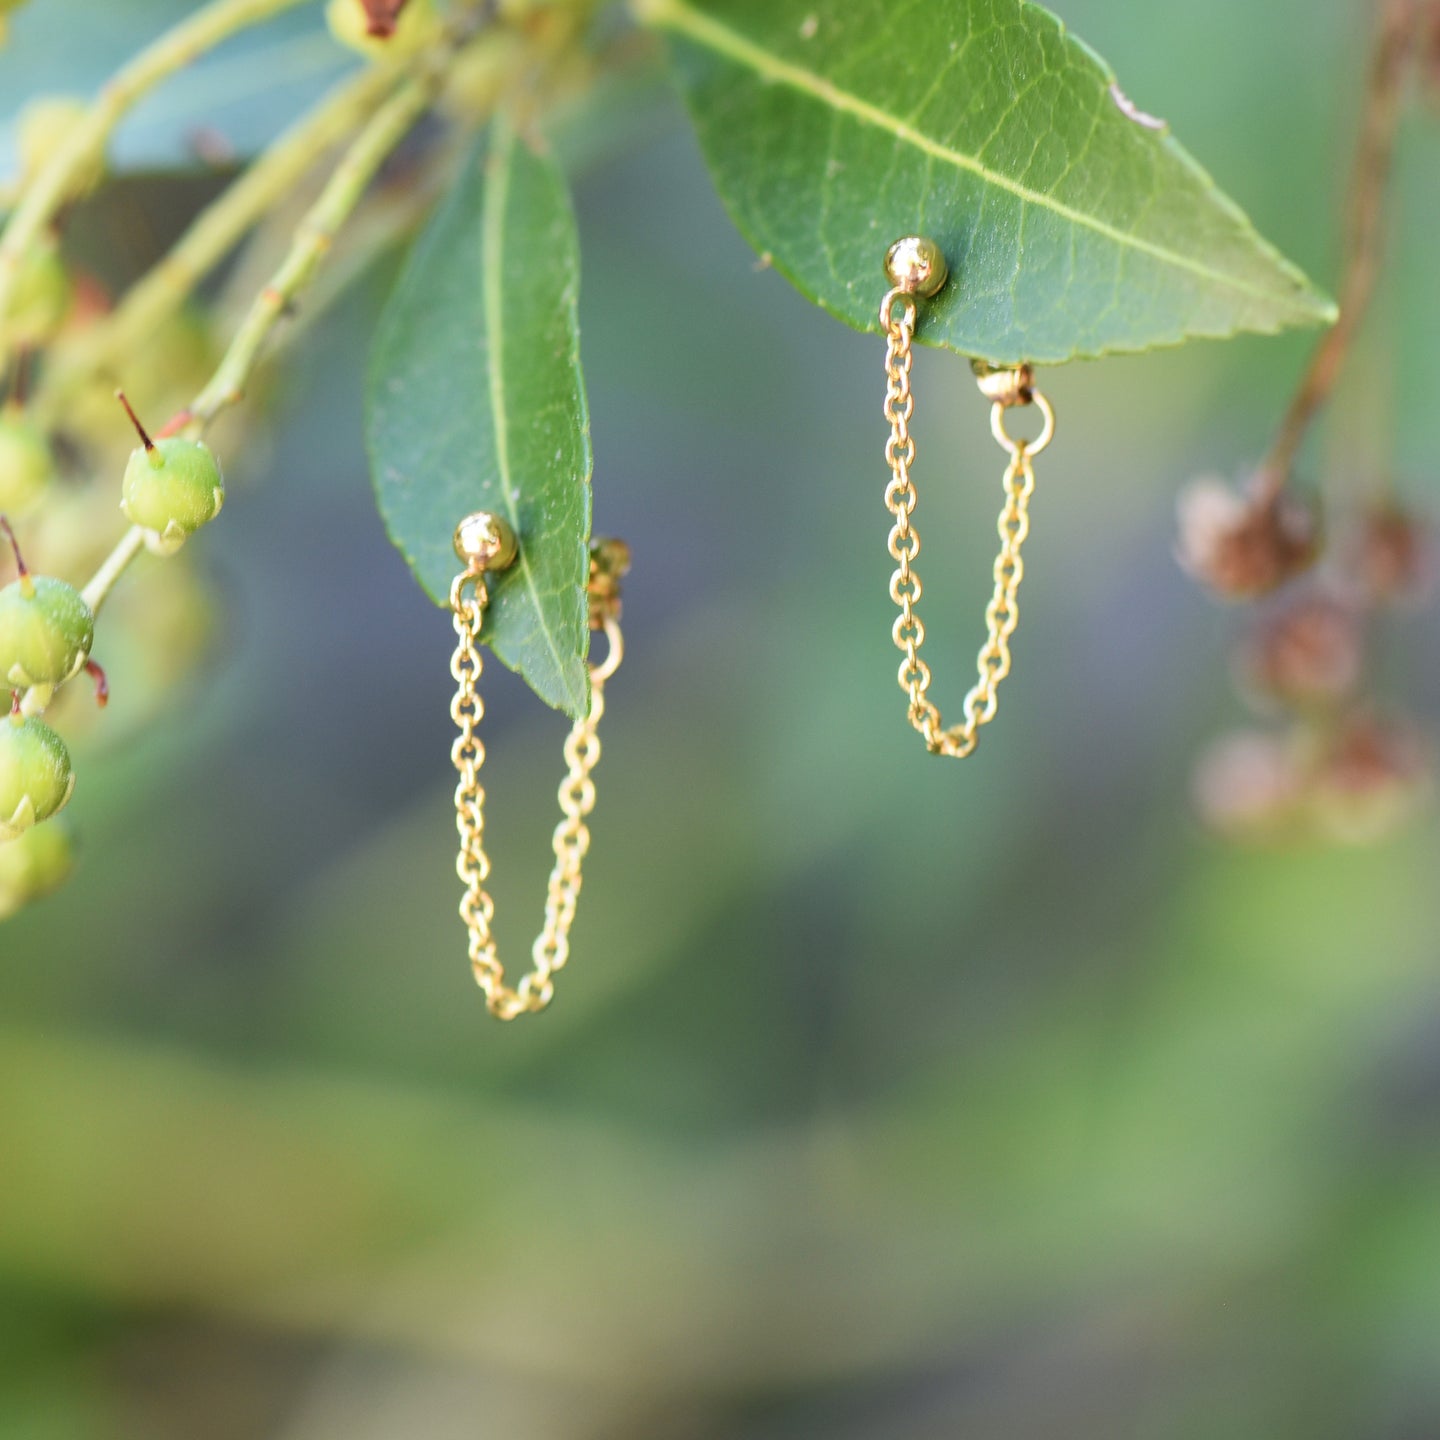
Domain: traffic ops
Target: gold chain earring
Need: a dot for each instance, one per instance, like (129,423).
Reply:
(485,543)
(917,271)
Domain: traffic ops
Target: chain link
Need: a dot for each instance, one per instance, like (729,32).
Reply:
(1002,614)
(571,840)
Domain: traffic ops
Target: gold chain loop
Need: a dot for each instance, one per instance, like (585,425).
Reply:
(1006,389)
(571,840)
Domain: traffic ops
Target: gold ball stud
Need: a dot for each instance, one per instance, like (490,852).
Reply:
(484,541)
(916,266)
(1009,384)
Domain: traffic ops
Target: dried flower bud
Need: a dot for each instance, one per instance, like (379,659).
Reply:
(1309,653)
(1241,546)
(1388,558)
(1248,785)
(1369,779)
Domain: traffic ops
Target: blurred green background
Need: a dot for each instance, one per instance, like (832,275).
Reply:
(883,1097)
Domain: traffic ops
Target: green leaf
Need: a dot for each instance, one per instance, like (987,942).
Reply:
(476,402)
(1074,225)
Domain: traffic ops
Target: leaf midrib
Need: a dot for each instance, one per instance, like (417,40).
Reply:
(492,264)
(677,15)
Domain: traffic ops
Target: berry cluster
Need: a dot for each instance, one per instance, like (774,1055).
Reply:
(171,488)
(52,448)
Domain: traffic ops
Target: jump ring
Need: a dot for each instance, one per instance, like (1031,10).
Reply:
(908,313)
(1026,447)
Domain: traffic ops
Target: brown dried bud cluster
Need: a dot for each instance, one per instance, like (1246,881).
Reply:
(1242,546)
(1308,654)
(1373,776)
(1336,771)
(1387,557)
(1355,782)
(1247,786)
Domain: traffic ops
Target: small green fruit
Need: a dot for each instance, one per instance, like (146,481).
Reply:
(172,487)
(362,27)
(34,864)
(36,780)
(171,490)
(40,300)
(46,631)
(26,464)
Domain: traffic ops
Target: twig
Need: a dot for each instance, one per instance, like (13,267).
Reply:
(313,241)
(215,233)
(1398,33)
(178,47)
(103,581)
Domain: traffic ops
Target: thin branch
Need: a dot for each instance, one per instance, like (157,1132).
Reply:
(116,563)
(215,233)
(312,243)
(1397,36)
(178,47)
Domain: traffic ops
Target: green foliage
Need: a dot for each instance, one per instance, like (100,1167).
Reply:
(1074,224)
(882,1099)
(476,402)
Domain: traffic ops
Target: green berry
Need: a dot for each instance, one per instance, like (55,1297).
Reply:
(36,781)
(172,487)
(46,631)
(26,463)
(363,27)
(40,299)
(45,127)
(34,864)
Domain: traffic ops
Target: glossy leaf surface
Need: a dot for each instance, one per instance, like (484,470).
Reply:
(1073,223)
(477,402)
